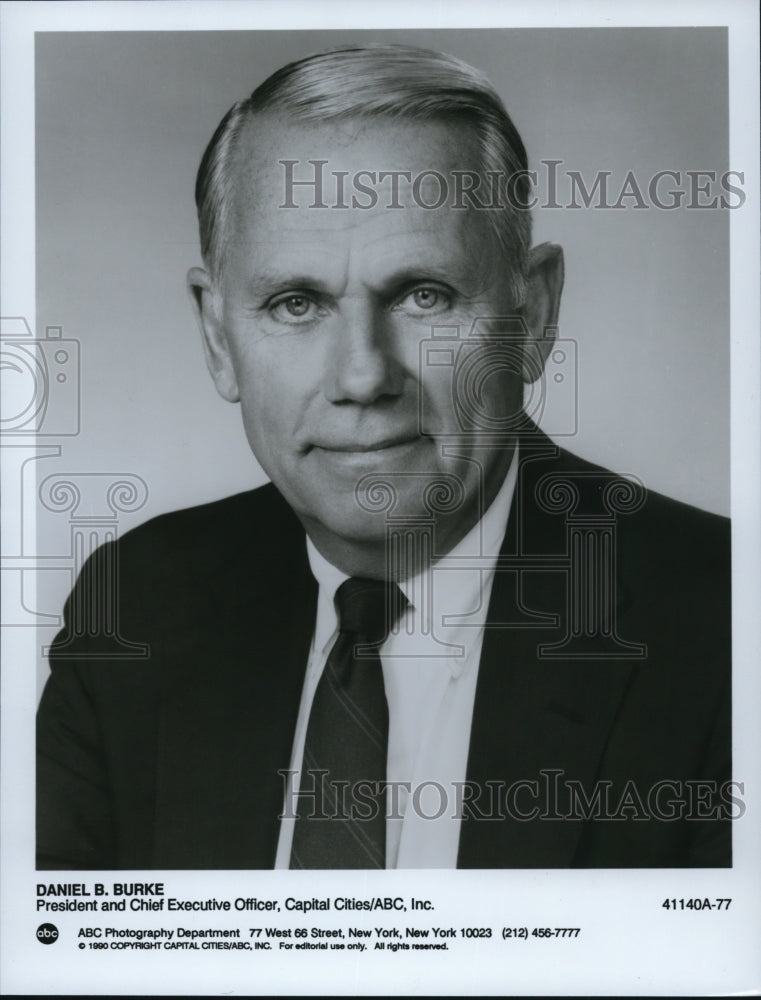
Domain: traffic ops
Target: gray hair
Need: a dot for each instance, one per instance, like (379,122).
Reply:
(391,81)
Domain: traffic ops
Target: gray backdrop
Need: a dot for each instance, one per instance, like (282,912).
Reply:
(123,118)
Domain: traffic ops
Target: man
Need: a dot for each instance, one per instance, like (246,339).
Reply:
(435,639)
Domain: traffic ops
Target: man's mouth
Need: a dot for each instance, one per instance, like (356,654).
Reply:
(360,447)
(359,457)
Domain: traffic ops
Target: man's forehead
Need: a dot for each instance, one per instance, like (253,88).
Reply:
(368,164)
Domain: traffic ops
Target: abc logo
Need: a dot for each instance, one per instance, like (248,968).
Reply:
(47,933)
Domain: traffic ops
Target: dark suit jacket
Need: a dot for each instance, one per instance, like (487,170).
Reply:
(171,759)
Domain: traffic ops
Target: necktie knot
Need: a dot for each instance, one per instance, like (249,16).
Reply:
(368,609)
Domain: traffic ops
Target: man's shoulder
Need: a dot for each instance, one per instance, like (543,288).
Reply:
(664,553)
(256,520)
(186,572)
(209,556)
(628,501)
(671,560)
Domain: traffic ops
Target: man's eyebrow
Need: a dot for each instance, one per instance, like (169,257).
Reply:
(458,278)
(265,282)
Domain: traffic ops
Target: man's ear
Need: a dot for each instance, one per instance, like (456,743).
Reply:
(542,305)
(215,346)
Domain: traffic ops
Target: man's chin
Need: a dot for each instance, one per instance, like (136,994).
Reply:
(354,499)
(378,513)
(366,496)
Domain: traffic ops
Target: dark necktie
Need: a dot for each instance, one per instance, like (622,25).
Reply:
(341,815)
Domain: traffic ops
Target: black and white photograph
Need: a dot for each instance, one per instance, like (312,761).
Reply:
(380,556)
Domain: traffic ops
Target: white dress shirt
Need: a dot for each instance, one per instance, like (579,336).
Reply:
(430,668)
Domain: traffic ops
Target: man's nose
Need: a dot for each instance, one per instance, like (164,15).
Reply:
(362,366)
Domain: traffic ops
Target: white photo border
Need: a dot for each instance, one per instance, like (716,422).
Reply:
(630,945)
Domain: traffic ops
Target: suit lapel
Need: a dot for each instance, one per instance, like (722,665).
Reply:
(534,716)
(231,697)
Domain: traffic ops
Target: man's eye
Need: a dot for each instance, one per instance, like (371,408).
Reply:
(293,307)
(425,300)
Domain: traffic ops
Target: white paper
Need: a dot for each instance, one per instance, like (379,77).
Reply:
(106,109)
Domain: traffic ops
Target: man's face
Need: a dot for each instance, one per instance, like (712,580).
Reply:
(317,320)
